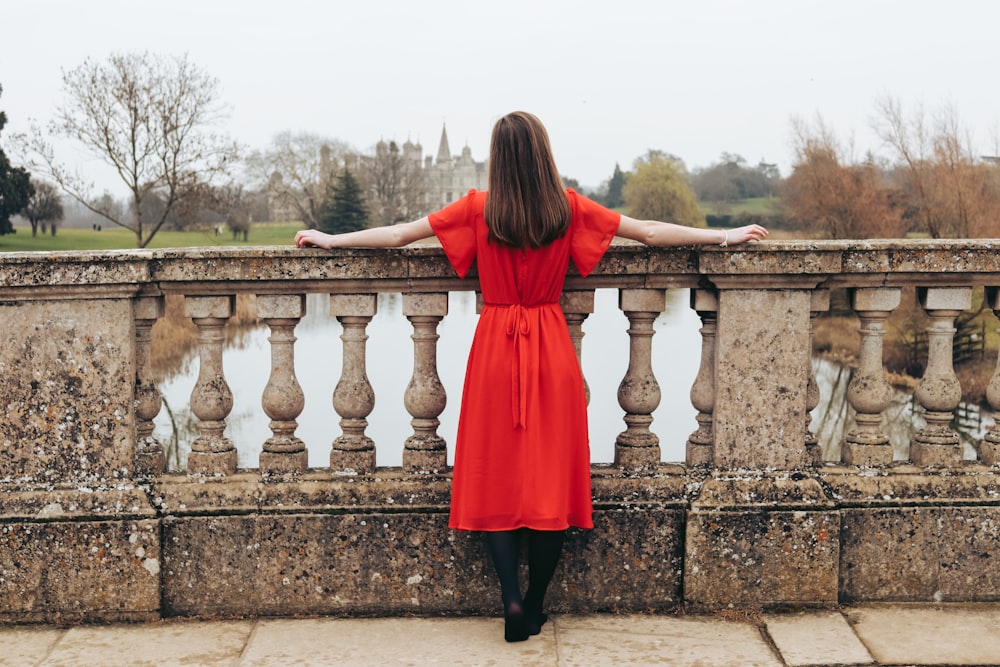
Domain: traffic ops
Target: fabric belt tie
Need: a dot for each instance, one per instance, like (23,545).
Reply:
(518,328)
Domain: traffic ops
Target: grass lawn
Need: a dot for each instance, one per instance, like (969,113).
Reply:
(757,205)
(119,238)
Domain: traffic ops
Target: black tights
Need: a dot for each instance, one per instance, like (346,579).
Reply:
(523,616)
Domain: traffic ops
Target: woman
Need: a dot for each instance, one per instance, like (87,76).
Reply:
(522,460)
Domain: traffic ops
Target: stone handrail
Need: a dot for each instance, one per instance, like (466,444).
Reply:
(753,516)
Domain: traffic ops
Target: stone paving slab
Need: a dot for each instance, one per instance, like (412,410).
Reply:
(394,641)
(944,635)
(865,635)
(813,638)
(165,644)
(20,646)
(599,641)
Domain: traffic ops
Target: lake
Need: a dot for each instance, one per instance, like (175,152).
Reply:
(676,356)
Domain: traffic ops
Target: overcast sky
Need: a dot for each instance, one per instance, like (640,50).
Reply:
(609,79)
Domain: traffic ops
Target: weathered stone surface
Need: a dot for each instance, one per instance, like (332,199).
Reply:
(920,554)
(794,258)
(358,563)
(761,558)
(929,635)
(219,265)
(815,638)
(311,492)
(281,306)
(672,268)
(660,640)
(84,570)
(401,563)
(911,485)
(761,379)
(50,273)
(153,645)
(49,503)
(633,560)
(253,544)
(761,541)
(67,386)
(793,490)
(333,547)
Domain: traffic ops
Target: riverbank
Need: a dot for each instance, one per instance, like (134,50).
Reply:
(835,338)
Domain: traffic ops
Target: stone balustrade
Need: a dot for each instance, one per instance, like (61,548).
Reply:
(93,527)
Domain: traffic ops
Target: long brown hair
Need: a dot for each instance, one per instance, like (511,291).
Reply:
(526,205)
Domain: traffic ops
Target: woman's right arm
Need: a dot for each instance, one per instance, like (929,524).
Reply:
(392,236)
(656,233)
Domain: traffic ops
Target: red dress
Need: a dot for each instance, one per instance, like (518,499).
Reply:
(522,455)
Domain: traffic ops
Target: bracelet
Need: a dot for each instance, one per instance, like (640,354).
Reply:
(725,241)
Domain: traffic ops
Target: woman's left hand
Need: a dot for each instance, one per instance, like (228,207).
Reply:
(747,233)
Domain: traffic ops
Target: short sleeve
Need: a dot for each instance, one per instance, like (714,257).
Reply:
(454,226)
(593,229)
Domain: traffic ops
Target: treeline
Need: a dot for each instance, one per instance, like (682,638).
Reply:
(717,189)
(155,118)
(932,181)
(929,179)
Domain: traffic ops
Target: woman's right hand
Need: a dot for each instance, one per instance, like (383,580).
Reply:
(312,238)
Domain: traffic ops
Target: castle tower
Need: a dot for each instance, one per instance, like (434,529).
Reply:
(444,152)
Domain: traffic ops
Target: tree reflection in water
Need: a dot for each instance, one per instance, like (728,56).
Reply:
(833,418)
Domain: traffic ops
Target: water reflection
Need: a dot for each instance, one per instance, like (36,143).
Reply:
(676,355)
(833,418)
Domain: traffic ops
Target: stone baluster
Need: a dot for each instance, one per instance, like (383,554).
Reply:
(989,448)
(282,398)
(353,398)
(149,457)
(939,391)
(699,443)
(819,303)
(576,307)
(212,452)
(869,393)
(425,398)
(639,393)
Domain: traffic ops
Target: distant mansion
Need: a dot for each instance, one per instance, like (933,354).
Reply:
(446,177)
(443,179)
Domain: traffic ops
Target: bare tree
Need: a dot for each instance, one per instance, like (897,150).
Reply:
(147,116)
(43,208)
(948,190)
(297,171)
(394,182)
(835,195)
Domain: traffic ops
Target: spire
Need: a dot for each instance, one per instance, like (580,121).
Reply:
(444,152)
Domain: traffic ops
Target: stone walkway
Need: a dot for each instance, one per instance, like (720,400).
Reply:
(852,636)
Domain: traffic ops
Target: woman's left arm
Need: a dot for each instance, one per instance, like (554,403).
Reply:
(652,232)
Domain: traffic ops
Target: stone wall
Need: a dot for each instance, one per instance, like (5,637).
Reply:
(91,528)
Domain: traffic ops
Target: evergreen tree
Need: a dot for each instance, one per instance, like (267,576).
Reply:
(15,187)
(614,198)
(344,207)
